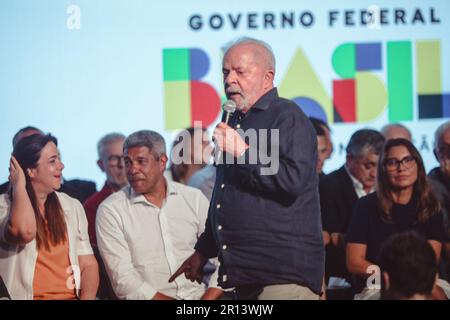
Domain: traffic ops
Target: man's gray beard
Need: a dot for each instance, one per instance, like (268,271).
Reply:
(243,106)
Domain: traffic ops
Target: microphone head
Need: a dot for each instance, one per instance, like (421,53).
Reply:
(229,106)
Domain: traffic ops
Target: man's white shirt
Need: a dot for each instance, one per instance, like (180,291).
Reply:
(358,186)
(143,245)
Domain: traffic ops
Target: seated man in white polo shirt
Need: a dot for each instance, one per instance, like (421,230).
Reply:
(147,229)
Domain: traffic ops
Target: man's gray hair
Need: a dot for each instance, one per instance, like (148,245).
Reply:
(146,138)
(108,139)
(247,40)
(364,141)
(440,133)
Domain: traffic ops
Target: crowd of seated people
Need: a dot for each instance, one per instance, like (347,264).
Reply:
(63,239)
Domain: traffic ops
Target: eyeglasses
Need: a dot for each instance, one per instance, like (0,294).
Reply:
(115,160)
(393,164)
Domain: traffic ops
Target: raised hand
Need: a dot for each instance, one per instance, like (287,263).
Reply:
(16,174)
(228,140)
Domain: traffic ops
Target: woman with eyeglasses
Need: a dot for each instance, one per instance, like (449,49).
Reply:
(44,244)
(402,202)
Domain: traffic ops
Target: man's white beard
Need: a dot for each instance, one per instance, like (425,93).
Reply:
(243,106)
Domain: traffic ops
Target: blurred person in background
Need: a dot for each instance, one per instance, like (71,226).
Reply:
(111,162)
(439,179)
(339,192)
(395,131)
(408,267)
(189,154)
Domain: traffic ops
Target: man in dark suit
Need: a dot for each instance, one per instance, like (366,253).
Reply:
(340,190)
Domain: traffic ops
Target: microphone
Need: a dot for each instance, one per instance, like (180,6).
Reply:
(229,107)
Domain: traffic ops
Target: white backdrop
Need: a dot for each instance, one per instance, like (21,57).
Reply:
(82,68)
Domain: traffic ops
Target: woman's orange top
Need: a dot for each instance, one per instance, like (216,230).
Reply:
(52,274)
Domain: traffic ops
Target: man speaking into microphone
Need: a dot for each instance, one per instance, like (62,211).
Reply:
(229,107)
(263,221)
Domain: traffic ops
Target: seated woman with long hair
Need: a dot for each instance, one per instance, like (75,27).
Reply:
(402,202)
(44,243)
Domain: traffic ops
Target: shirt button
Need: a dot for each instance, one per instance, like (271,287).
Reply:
(224,247)
(219,227)
(238,126)
(218,206)
(224,278)
(222,186)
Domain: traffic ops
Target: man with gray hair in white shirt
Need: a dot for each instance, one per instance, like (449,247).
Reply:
(147,229)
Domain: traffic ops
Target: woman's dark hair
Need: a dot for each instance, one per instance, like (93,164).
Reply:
(28,152)
(427,204)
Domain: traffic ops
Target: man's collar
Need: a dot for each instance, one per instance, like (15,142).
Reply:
(139,197)
(264,102)
(135,197)
(356,183)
